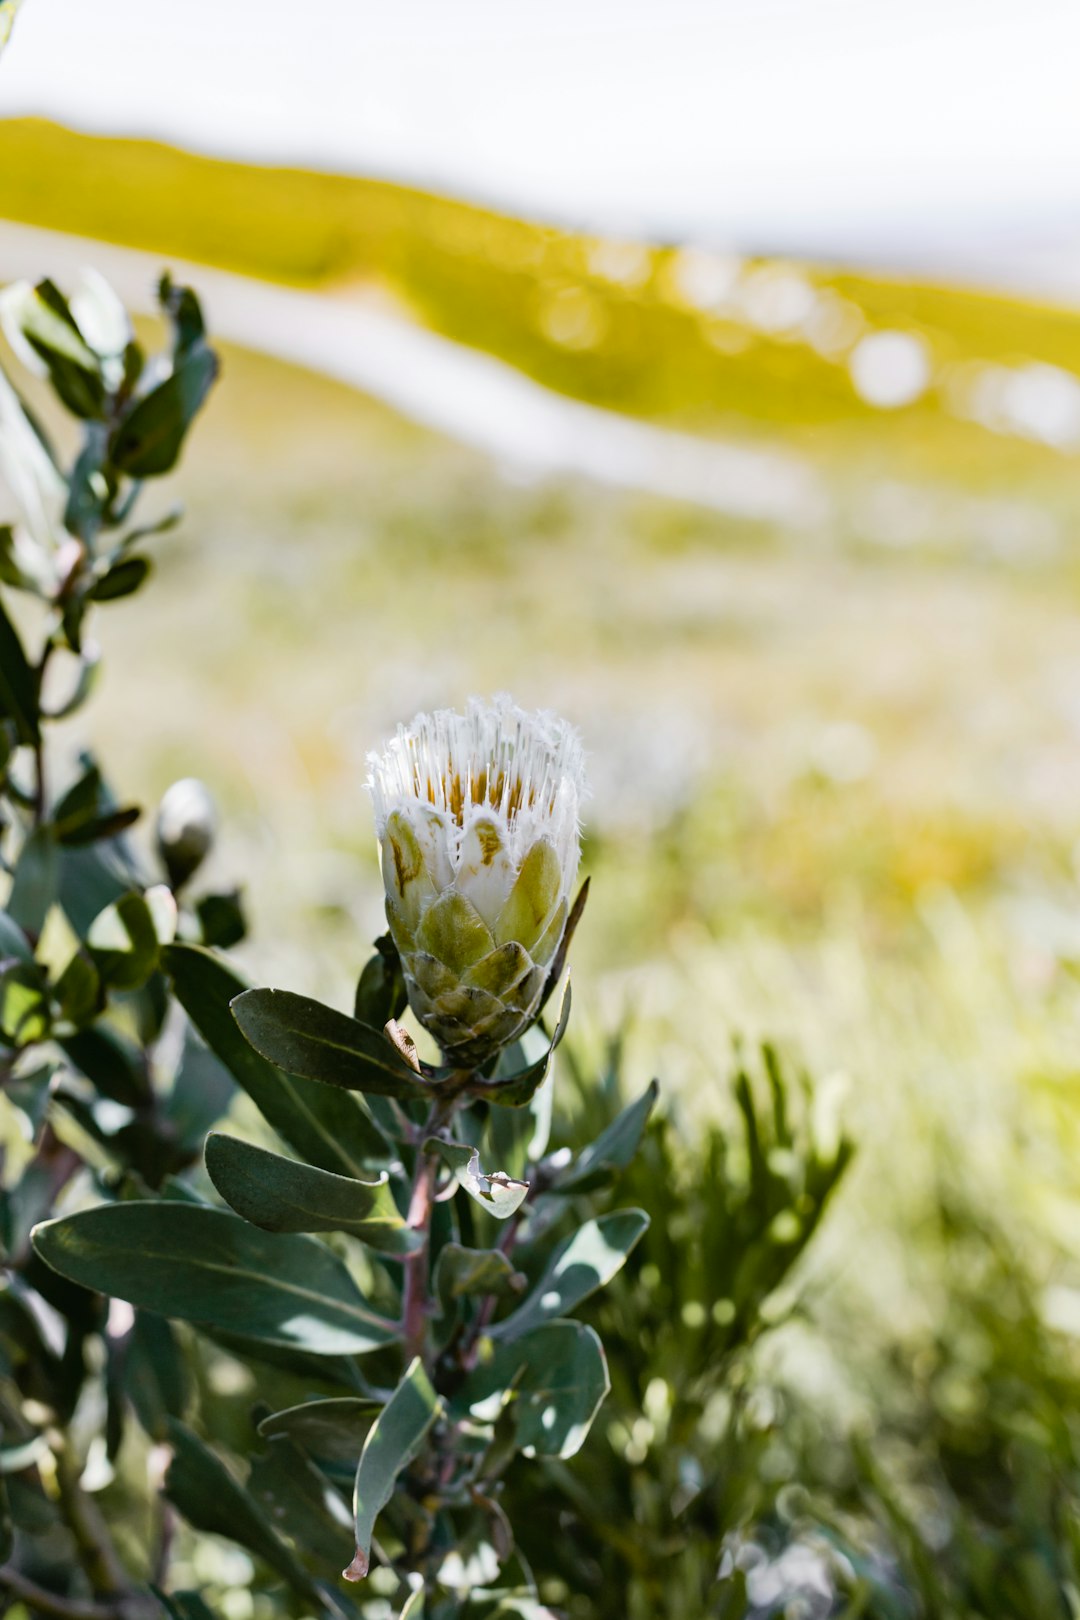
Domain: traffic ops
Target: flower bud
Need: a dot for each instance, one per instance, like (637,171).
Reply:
(477,820)
(185,829)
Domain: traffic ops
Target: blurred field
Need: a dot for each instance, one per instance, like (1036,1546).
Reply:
(836,793)
(837,774)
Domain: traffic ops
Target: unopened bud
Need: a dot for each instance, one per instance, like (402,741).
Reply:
(185,829)
(477,818)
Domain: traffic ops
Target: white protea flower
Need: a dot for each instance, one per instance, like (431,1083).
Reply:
(477,820)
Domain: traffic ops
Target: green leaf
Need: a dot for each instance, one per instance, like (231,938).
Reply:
(78,990)
(613,1149)
(146,531)
(381,993)
(341,1372)
(182,307)
(413,1607)
(280,1195)
(42,316)
(554,1379)
(201,1091)
(496,1192)
(34,888)
(394,1440)
(202,1488)
(112,1063)
(330,1129)
(149,438)
(297,1496)
(93,829)
(88,487)
(558,961)
(125,939)
(122,579)
(155,1375)
(221,919)
(582,1264)
(462,1272)
(19,696)
(209,1267)
(24,1006)
(13,942)
(92,877)
(517,1090)
(518,1137)
(332,1430)
(322,1044)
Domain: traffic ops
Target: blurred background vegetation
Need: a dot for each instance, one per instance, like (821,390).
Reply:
(836,767)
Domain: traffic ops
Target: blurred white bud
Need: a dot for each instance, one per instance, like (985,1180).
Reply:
(186,822)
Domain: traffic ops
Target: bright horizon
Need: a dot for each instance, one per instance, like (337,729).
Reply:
(912,131)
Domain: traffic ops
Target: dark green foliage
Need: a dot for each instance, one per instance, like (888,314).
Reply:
(673,1468)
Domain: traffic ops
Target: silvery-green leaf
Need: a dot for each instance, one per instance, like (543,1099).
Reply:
(394,1439)
(582,1264)
(494,1191)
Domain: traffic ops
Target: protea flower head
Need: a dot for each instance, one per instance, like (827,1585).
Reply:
(477,819)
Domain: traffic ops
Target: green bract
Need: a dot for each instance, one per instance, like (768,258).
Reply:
(477,816)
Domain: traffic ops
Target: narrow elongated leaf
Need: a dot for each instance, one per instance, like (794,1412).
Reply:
(496,1192)
(316,1371)
(413,1607)
(298,1496)
(282,1196)
(516,1090)
(201,1092)
(148,439)
(92,877)
(122,579)
(13,942)
(332,1430)
(24,1003)
(396,1436)
(323,1044)
(112,1062)
(155,1374)
(18,683)
(380,993)
(42,317)
(206,1493)
(581,1265)
(209,1267)
(558,961)
(554,1380)
(613,1148)
(328,1128)
(34,888)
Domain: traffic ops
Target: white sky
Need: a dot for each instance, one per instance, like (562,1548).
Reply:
(813,124)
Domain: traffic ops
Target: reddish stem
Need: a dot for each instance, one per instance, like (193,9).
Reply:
(414,1311)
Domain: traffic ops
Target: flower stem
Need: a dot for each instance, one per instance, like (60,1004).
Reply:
(415,1302)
